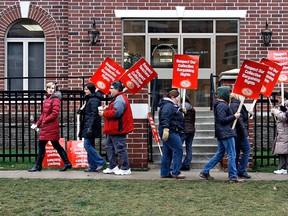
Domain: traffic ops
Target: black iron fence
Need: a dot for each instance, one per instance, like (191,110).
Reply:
(20,109)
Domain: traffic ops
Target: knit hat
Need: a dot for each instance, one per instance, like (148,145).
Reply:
(117,85)
(91,87)
(223,92)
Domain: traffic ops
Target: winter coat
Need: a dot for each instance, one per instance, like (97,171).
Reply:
(170,117)
(48,120)
(242,124)
(224,118)
(90,126)
(118,118)
(189,118)
(281,140)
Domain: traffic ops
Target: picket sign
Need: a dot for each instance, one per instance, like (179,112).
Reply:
(52,159)
(154,131)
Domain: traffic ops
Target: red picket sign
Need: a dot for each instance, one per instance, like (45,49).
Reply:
(52,159)
(77,154)
(250,79)
(271,77)
(185,71)
(108,72)
(153,128)
(138,76)
(281,58)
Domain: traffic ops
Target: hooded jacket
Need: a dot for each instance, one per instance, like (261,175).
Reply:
(90,120)
(224,118)
(189,118)
(48,120)
(170,116)
(118,116)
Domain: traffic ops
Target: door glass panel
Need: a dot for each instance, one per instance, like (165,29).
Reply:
(197,26)
(163,51)
(163,26)
(201,47)
(134,49)
(36,65)
(15,65)
(226,53)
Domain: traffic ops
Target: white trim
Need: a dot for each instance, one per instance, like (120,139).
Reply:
(180,12)
(24,6)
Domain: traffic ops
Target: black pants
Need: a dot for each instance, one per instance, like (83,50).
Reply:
(282,162)
(56,145)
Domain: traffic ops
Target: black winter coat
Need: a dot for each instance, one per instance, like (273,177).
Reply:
(90,126)
(242,122)
(224,118)
(189,118)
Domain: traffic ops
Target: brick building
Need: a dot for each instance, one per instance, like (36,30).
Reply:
(223,33)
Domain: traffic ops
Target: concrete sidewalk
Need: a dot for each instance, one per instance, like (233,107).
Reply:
(153,174)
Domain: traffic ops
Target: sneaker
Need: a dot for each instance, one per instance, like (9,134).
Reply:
(90,170)
(206,176)
(123,172)
(180,176)
(281,172)
(244,175)
(110,171)
(236,180)
(100,167)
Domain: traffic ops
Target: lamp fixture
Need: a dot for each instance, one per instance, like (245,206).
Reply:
(266,35)
(93,34)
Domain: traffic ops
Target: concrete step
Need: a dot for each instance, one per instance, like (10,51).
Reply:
(205,133)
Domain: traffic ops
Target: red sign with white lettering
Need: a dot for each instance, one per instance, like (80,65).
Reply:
(77,154)
(138,76)
(153,128)
(52,159)
(108,72)
(271,77)
(250,79)
(281,58)
(185,71)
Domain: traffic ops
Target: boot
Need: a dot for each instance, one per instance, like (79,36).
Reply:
(38,164)
(64,157)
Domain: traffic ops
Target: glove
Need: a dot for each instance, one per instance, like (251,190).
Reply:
(184,110)
(34,127)
(283,108)
(165,135)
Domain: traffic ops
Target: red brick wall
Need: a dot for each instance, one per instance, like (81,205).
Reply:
(68,53)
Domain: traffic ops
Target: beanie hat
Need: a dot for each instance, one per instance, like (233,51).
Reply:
(91,87)
(223,92)
(117,85)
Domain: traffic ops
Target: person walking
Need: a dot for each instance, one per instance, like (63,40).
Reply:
(90,127)
(50,130)
(189,132)
(241,139)
(171,127)
(280,146)
(118,122)
(224,118)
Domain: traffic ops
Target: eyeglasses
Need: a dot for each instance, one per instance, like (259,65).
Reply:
(112,88)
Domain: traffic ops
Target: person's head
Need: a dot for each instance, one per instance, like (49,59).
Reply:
(237,96)
(116,87)
(51,87)
(89,88)
(223,93)
(173,94)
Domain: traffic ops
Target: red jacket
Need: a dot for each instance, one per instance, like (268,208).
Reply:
(48,120)
(118,117)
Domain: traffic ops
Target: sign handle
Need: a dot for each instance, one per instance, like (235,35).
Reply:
(159,148)
(183,98)
(282,93)
(239,110)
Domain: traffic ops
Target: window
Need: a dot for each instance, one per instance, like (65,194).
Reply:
(25,56)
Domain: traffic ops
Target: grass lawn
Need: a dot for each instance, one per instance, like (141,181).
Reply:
(141,197)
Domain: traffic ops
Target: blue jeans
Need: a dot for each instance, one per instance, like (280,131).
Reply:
(243,145)
(227,144)
(94,158)
(188,138)
(172,151)
(116,144)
